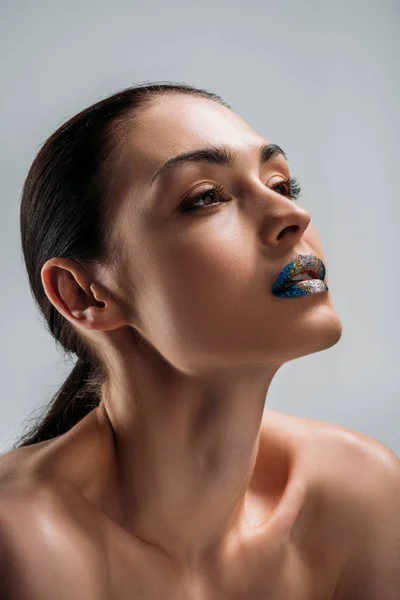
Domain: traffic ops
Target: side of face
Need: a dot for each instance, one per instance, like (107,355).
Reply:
(200,282)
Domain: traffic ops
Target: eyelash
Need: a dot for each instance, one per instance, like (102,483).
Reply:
(292,183)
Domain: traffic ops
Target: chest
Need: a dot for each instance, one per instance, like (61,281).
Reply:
(305,566)
(291,580)
(256,570)
(302,565)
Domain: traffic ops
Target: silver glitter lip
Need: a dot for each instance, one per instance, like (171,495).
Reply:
(305,263)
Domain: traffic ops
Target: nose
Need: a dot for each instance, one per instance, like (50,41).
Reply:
(285,224)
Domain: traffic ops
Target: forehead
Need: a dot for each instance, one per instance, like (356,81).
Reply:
(178,123)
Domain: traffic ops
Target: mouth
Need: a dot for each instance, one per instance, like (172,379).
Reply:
(301,277)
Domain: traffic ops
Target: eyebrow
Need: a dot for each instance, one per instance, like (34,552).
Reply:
(216,155)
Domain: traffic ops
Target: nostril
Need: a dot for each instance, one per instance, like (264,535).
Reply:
(293,227)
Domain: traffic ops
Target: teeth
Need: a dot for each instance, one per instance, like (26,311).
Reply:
(301,277)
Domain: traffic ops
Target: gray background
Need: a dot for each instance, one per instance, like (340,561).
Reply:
(320,79)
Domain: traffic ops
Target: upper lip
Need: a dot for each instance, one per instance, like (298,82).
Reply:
(303,264)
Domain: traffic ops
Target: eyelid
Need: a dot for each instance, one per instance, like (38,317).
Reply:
(294,191)
(282,175)
(196,188)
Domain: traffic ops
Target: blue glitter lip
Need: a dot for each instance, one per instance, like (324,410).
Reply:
(307,263)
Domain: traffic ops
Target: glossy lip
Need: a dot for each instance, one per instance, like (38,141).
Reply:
(303,263)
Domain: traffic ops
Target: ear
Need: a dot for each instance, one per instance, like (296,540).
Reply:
(78,297)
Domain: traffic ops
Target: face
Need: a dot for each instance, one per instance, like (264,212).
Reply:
(198,284)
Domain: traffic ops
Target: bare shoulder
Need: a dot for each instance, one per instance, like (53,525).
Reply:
(46,551)
(347,460)
(371,512)
(352,527)
(331,441)
(347,464)
(359,489)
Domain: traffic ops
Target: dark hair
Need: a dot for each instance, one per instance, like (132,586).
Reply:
(63,214)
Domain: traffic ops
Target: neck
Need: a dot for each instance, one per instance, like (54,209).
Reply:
(185,451)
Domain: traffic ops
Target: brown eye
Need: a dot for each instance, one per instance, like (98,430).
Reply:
(289,187)
(280,186)
(190,205)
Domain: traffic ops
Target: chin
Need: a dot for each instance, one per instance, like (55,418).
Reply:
(326,332)
(317,337)
(333,333)
(323,331)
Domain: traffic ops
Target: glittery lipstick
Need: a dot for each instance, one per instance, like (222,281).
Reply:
(313,269)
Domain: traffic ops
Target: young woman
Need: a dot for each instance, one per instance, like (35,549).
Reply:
(166,249)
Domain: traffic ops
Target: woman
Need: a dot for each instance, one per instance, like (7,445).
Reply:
(160,232)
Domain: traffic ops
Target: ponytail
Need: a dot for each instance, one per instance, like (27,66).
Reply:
(78,395)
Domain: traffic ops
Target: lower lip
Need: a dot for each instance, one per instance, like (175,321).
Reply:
(303,288)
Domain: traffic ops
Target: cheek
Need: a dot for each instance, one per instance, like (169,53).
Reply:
(213,269)
(208,298)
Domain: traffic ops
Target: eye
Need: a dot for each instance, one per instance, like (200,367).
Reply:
(290,188)
(189,205)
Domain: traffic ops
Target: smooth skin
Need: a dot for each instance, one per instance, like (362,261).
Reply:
(180,459)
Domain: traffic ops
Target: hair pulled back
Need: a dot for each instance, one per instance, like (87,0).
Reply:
(63,213)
